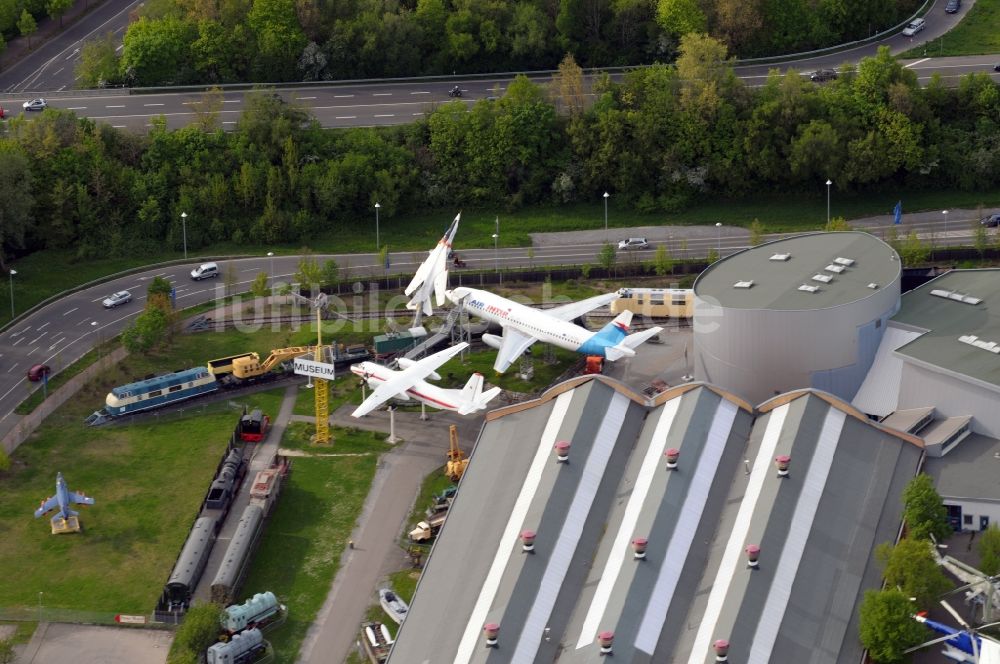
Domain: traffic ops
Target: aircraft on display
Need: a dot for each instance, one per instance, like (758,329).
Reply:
(960,645)
(523,326)
(432,275)
(62,499)
(409,383)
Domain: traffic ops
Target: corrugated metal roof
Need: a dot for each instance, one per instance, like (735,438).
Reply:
(879,393)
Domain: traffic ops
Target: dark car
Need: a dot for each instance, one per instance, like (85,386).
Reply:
(821,75)
(38,371)
(990,221)
(953,6)
(996,67)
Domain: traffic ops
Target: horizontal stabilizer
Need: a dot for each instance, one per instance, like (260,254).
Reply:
(627,346)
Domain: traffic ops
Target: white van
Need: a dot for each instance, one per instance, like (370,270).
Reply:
(205,271)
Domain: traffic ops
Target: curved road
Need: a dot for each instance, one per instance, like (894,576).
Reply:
(62,331)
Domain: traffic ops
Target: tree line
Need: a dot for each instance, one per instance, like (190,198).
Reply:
(226,41)
(661,139)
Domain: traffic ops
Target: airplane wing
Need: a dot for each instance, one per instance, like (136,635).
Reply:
(404,380)
(512,345)
(80,498)
(577,309)
(47,505)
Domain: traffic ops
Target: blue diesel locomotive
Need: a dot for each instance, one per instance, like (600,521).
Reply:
(155,392)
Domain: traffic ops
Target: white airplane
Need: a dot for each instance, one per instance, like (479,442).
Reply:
(409,382)
(523,326)
(432,275)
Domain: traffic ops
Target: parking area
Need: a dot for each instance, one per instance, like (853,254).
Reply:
(58,643)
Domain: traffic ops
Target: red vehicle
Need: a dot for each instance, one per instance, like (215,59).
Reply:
(1,113)
(253,426)
(38,372)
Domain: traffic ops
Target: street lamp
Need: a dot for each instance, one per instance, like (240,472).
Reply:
(12,273)
(184,223)
(606,195)
(945,213)
(718,238)
(828,183)
(377,246)
(270,255)
(496,240)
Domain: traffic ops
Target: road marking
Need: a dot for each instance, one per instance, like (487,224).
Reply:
(59,70)
(342,96)
(229,101)
(116,106)
(304,98)
(83,321)
(57,342)
(148,105)
(77,108)
(43,325)
(11,369)
(345,117)
(120,48)
(19,341)
(386,115)
(417,113)
(381,94)
(70,56)
(61,88)
(32,351)
(78,77)
(14,334)
(38,337)
(914,64)
(229,122)
(117,126)
(420,93)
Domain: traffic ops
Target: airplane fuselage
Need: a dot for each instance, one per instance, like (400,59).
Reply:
(432,395)
(526,320)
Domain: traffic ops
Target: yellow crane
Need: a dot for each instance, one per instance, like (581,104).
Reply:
(322,435)
(456,459)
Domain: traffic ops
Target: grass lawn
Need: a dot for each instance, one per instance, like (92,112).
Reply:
(978,33)
(300,552)
(342,390)
(148,481)
(417,232)
(345,440)
(455,373)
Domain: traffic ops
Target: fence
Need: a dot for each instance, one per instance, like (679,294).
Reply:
(42,613)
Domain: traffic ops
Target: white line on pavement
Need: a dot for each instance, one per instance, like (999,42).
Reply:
(116,106)
(149,105)
(419,93)
(342,96)
(346,117)
(71,311)
(914,64)
(19,341)
(304,98)
(38,337)
(77,108)
(83,321)
(11,369)
(385,115)
(381,94)
(42,326)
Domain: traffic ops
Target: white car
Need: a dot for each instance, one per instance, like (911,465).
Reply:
(915,26)
(35,105)
(121,297)
(633,243)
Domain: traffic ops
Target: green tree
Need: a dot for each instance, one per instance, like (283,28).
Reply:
(910,565)
(980,238)
(923,510)
(4,461)
(663,263)
(157,51)
(199,630)
(309,274)
(159,286)
(7,653)
(886,625)
(756,232)
(713,255)
(989,550)
(567,86)
(149,330)
(207,109)
(912,251)
(230,277)
(27,26)
(98,63)
(280,39)
(607,256)
(259,286)
(330,273)
(837,224)
(56,9)
(17,202)
(680,17)
(383,257)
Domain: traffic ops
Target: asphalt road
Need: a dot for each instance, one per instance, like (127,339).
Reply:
(61,332)
(49,74)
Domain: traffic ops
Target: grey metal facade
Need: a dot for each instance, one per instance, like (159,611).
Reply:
(951,395)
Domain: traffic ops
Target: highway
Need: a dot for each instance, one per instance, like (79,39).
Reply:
(62,331)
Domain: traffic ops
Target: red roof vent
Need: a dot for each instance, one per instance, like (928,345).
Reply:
(562,451)
(527,541)
(781,463)
(721,648)
(753,553)
(491,630)
(606,640)
(672,455)
(639,547)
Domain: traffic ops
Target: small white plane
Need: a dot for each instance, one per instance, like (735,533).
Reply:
(523,326)
(388,384)
(432,275)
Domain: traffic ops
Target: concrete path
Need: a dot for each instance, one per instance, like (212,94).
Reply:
(376,553)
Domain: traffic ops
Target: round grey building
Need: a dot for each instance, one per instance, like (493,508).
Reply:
(806,311)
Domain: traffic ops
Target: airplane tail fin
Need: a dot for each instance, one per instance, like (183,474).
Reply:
(627,346)
(473,398)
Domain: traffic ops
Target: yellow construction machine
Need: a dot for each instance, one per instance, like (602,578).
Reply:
(456,459)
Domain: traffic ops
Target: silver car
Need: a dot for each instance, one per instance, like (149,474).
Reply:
(121,297)
(35,105)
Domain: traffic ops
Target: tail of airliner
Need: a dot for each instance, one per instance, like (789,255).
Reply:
(473,398)
(614,342)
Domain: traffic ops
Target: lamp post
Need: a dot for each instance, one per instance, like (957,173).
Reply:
(718,238)
(40,593)
(496,240)
(184,226)
(12,273)
(377,246)
(945,213)
(606,195)
(828,183)
(270,256)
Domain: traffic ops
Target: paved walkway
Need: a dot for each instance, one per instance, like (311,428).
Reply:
(376,553)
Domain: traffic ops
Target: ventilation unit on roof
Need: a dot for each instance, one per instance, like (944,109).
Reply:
(973,340)
(955,295)
(844,261)
(780,257)
(825,278)
(873,285)
(834,268)
(808,288)
(743,284)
